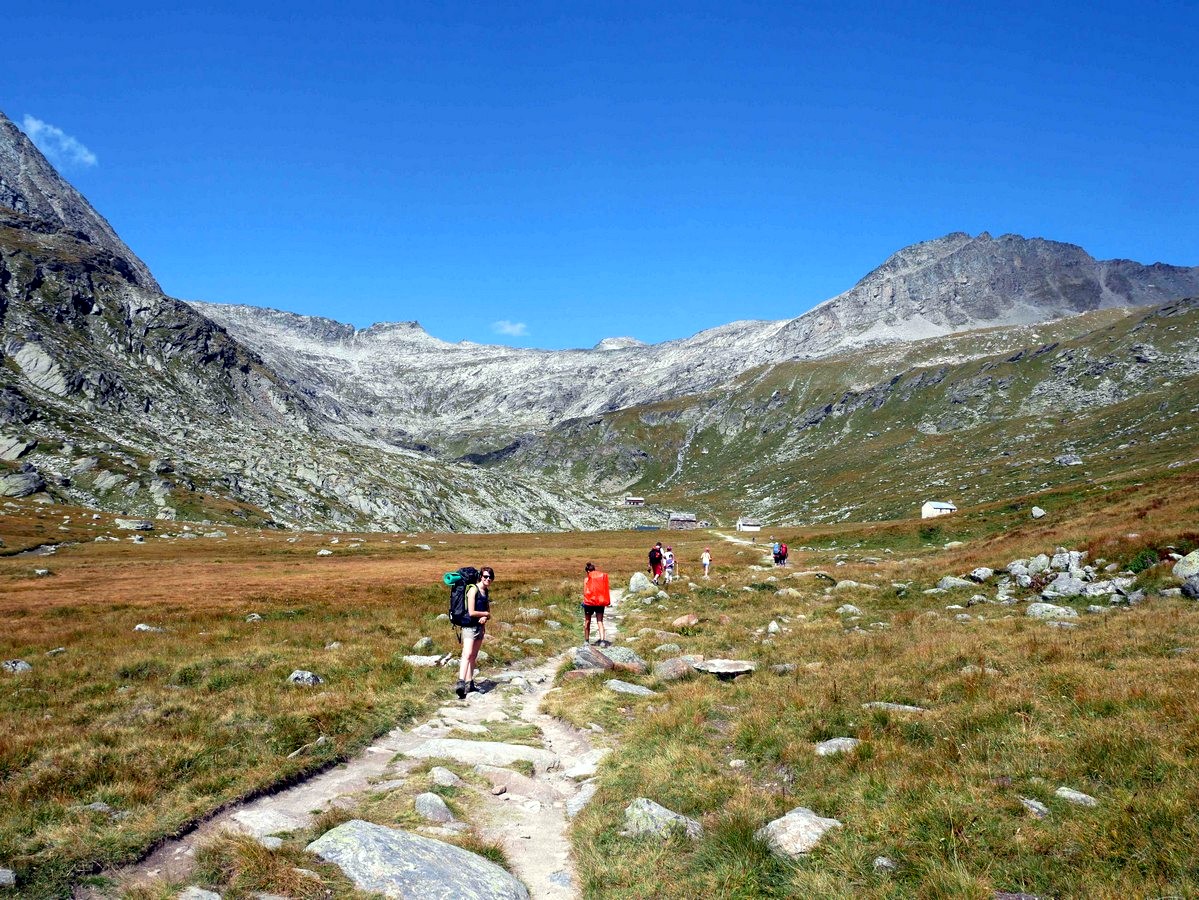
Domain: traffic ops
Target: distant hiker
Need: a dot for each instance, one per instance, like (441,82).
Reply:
(596,598)
(655,561)
(782,554)
(668,564)
(705,559)
(774,551)
(478,609)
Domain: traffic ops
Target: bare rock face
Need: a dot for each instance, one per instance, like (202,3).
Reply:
(400,864)
(30,187)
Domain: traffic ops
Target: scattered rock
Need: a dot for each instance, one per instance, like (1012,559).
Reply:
(1076,797)
(196,893)
(1038,513)
(796,833)
(1038,809)
(575,804)
(324,551)
(979,670)
(253,617)
(426,662)
(587,765)
(1068,459)
(893,707)
(951,582)
(773,627)
(153,629)
(690,620)
(625,659)
(833,746)
(982,574)
(675,668)
(725,669)
(425,643)
(623,687)
(21,484)
(848,609)
(16,666)
(443,777)
(304,678)
(640,583)
(432,808)
(885,864)
(400,864)
(1190,588)
(1188,566)
(784,668)
(588,657)
(491,753)
(1049,611)
(645,817)
(668,649)
(134,524)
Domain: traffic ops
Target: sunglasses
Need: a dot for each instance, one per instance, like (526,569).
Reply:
(488,577)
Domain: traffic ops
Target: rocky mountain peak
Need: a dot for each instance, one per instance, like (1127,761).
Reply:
(30,187)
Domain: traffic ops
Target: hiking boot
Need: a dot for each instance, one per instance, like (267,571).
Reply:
(472,688)
(460,689)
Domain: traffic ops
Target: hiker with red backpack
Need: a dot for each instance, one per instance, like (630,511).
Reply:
(596,599)
(656,561)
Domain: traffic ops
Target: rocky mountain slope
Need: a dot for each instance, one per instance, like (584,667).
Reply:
(403,386)
(115,396)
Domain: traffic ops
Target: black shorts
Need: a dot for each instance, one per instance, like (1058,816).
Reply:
(593,610)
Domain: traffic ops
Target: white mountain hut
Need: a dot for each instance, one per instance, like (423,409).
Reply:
(933,508)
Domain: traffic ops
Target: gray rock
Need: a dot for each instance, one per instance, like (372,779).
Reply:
(1038,809)
(1064,585)
(134,524)
(304,678)
(784,668)
(885,864)
(796,833)
(324,551)
(196,893)
(253,617)
(589,657)
(668,649)
(586,792)
(1060,624)
(16,666)
(432,808)
(677,667)
(1188,566)
(623,656)
(645,817)
(152,629)
(587,765)
(1049,611)
(981,574)
(725,669)
(491,753)
(639,583)
(950,582)
(21,484)
(425,662)
(1076,797)
(8,878)
(979,670)
(1038,513)
(893,707)
(623,687)
(848,609)
(1068,459)
(425,643)
(1190,588)
(443,777)
(833,746)
(1038,564)
(773,627)
(404,865)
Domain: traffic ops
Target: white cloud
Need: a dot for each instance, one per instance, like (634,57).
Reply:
(61,149)
(512,329)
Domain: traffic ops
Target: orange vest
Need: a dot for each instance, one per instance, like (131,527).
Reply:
(595,589)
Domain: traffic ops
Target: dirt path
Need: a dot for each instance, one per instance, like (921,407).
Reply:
(527,815)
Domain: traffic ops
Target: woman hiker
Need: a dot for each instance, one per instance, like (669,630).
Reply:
(706,560)
(478,607)
(596,598)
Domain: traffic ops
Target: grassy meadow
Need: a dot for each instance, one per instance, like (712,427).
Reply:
(164,727)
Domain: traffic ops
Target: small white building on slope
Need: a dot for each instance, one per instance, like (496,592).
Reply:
(934,508)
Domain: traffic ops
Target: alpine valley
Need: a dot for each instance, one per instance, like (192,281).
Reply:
(966,368)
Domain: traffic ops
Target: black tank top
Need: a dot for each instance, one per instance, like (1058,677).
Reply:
(482,604)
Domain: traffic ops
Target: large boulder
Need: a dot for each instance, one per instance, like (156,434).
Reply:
(588,657)
(21,484)
(1049,611)
(644,816)
(640,583)
(952,582)
(1190,588)
(1187,566)
(625,659)
(400,864)
(676,667)
(796,833)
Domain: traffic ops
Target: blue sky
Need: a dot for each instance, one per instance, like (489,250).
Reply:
(549,174)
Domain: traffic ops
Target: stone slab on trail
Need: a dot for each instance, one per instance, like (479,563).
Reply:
(474,753)
(400,864)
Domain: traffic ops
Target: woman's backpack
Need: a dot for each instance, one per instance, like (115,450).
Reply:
(458,581)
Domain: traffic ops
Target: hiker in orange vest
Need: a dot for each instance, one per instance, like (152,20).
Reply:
(596,598)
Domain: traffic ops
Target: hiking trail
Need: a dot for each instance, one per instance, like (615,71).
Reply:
(526,814)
